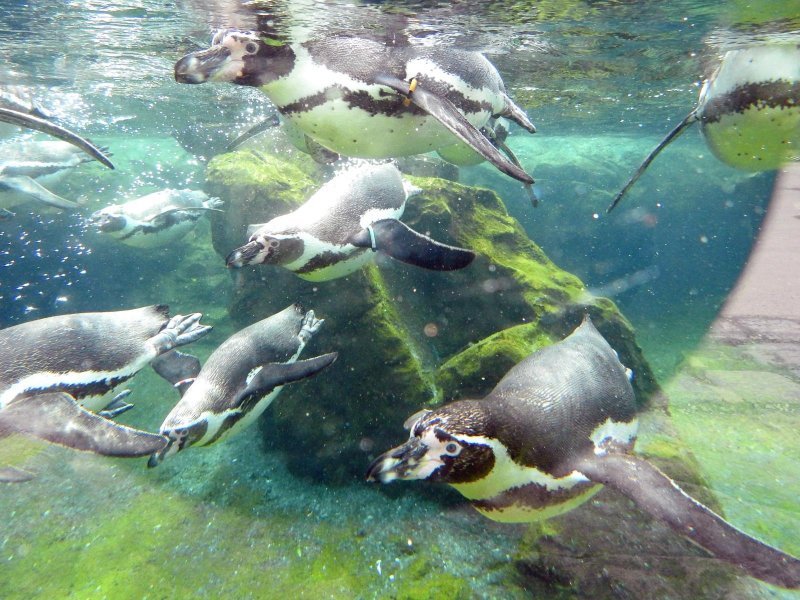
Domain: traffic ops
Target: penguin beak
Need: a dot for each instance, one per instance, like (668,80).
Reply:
(244,255)
(156,458)
(202,66)
(409,461)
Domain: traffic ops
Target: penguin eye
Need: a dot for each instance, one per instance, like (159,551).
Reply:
(274,243)
(251,48)
(452,449)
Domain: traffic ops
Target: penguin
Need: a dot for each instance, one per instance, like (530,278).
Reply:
(331,234)
(558,426)
(26,166)
(496,131)
(38,123)
(54,372)
(156,219)
(240,380)
(364,99)
(748,111)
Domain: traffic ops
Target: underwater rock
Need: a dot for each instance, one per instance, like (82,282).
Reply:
(406,338)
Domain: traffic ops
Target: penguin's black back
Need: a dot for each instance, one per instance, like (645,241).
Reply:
(546,407)
(81,342)
(333,214)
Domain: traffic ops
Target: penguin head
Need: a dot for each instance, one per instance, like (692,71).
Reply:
(448,445)
(108,221)
(236,56)
(266,249)
(179,438)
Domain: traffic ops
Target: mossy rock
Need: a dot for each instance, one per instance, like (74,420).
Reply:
(256,187)
(464,375)
(406,337)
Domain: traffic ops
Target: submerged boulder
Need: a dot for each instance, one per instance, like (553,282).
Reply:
(407,338)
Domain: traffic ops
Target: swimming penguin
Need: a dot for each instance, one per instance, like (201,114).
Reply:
(240,380)
(156,219)
(329,236)
(55,371)
(749,111)
(37,123)
(27,166)
(557,427)
(364,99)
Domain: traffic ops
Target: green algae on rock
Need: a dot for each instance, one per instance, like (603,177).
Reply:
(407,338)
(255,187)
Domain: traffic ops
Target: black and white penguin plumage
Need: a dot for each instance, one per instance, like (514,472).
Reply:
(748,111)
(557,427)
(26,167)
(240,380)
(156,219)
(54,371)
(364,99)
(332,233)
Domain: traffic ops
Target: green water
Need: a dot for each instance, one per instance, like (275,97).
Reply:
(254,517)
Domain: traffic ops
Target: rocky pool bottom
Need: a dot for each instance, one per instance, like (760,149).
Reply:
(283,509)
(232,521)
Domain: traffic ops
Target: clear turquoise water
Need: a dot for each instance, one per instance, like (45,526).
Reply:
(603,82)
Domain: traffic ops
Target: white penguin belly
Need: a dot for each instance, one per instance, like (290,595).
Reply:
(153,239)
(357,133)
(353,259)
(215,421)
(44,380)
(341,268)
(519,512)
(758,139)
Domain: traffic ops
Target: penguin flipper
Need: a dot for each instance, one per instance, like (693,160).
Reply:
(179,330)
(15,475)
(253,131)
(447,114)
(32,122)
(273,375)
(398,240)
(657,494)
(178,368)
(679,129)
(55,417)
(26,185)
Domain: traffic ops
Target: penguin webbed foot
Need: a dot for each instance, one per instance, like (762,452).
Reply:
(396,239)
(117,406)
(449,116)
(662,498)
(179,330)
(309,327)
